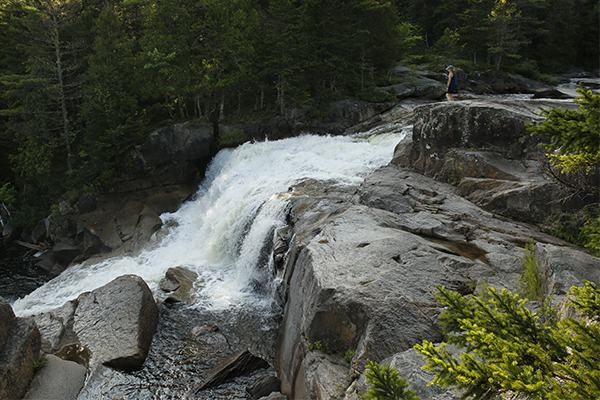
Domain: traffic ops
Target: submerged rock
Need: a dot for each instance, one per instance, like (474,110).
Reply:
(263,386)
(179,281)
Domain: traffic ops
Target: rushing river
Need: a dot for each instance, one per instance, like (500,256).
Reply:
(222,235)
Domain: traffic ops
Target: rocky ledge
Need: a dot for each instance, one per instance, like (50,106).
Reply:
(362,266)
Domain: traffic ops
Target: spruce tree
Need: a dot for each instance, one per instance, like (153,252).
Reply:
(507,348)
(387,384)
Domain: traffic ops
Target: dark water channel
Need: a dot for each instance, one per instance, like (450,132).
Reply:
(18,274)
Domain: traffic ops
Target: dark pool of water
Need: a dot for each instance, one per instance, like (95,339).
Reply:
(18,274)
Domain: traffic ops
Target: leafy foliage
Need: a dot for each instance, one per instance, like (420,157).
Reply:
(592,230)
(575,152)
(8,194)
(510,349)
(386,384)
(581,228)
(587,299)
(574,135)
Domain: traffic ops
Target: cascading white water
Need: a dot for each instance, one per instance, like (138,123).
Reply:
(220,234)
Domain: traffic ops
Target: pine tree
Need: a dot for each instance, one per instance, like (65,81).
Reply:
(387,384)
(574,135)
(574,151)
(45,100)
(510,349)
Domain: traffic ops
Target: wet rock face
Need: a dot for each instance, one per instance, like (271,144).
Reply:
(160,177)
(179,281)
(170,156)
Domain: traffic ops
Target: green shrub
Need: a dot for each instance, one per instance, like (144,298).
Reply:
(592,232)
(533,282)
(232,137)
(349,355)
(508,349)
(386,384)
(587,299)
(374,94)
(40,363)
(581,228)
(8,194)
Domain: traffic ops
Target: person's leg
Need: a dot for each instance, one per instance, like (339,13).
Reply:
(449,96)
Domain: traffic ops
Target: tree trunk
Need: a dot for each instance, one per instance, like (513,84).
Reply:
(61,90)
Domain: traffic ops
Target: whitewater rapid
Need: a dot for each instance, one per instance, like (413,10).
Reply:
(220,233)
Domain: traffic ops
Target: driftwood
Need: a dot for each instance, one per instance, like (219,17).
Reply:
(38,247)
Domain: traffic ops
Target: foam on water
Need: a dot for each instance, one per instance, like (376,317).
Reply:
(220,234)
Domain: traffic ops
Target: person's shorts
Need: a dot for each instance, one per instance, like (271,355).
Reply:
(452,90)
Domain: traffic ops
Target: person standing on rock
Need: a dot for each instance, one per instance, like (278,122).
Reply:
(452,85)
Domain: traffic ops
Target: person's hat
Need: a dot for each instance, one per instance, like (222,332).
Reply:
(450,67)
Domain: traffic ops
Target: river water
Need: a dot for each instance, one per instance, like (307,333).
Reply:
(224,235)
(18,274)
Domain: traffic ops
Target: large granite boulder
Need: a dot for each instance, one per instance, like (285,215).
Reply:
(117,322)
(109,227)
(113,325)
(483,126)
(565,267)
(418,87)
(56,327)
(179,283)
(19,349)
(362,270)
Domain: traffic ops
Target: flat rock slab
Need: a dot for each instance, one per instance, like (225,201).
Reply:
(240,363)
(59,379)
(117,322)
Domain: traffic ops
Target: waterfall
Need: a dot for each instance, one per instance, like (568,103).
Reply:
(221,232)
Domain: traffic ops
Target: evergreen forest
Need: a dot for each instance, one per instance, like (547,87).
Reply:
(84,81)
